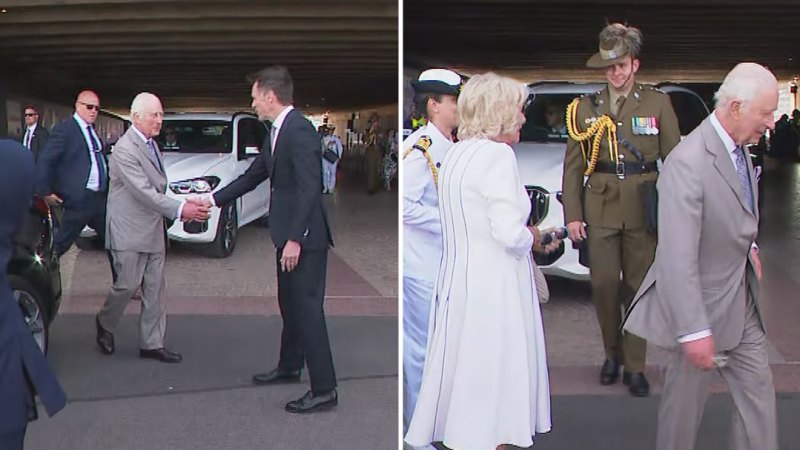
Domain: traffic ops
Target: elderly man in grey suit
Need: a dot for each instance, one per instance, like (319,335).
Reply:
(699,301)
(135,230)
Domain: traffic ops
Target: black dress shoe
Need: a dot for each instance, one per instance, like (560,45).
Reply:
(105,340)
(160,354)
(609,373)
(277,376)
(311,403)
(637,383)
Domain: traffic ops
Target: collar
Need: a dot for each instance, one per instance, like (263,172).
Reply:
(80,121)
(33,127)
(727,140)
(140,134)
(278,122)
(440,135)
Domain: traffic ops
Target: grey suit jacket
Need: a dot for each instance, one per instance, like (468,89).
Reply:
(137,204)
(702,270)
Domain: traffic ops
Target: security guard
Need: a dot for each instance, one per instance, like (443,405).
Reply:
(616,136)
(422,152)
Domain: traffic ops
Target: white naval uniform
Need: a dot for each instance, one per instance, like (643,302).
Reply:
(328,168)
(422,251)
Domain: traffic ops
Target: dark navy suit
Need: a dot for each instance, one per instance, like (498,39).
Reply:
(296,213)
(23,368)
(63,169)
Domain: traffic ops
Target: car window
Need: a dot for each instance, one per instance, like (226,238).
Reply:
(690,109)
(251,134)
(195,136)
(545,118)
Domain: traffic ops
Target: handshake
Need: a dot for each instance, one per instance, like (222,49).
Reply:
(196,209)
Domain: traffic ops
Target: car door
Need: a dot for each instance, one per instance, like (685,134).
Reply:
(250,134)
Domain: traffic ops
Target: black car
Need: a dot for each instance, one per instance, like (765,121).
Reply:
(34,271)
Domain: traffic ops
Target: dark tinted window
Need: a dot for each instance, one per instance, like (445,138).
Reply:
(689,109)
(251,134)
(195,136)
(545,118)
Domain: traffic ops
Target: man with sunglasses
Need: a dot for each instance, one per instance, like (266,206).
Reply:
(35,137)
(636,126)
(72,173)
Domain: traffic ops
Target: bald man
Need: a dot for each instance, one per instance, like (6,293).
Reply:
(72,173)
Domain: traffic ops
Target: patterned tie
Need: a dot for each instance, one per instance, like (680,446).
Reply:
(28,139)
(744,177)
(154,154)
(102,183)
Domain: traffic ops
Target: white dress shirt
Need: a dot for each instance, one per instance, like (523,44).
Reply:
(422,227)
(277,124)
(93,183)
(29,135)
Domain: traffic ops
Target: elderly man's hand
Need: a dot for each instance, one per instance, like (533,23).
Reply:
(194,212)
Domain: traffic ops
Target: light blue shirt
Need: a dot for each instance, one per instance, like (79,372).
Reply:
(93,183)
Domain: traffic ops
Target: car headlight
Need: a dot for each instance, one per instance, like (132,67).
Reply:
(200,185)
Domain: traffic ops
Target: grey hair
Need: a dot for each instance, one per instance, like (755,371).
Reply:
(743,83)
(142,102)
(629,37)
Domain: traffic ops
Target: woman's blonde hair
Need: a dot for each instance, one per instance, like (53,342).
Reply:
(489,106)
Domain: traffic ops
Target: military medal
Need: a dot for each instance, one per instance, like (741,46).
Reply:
(644,126)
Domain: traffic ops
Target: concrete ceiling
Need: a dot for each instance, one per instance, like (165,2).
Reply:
(684,40)
(196,54)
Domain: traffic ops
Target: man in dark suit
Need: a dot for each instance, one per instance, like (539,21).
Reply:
(23,368)
(72,173)
(35,136)
(301,233)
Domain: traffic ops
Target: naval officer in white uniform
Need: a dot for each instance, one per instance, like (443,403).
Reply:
(436,92)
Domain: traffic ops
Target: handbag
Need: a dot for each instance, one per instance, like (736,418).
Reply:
(541,283)
(330,155)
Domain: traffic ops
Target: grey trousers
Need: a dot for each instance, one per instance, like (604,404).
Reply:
(134,270)
(749,380)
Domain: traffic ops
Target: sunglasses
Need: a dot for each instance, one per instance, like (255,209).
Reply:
(89,106)
(31,114)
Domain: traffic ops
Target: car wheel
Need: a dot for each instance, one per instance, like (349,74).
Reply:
(227,230)
(33,309)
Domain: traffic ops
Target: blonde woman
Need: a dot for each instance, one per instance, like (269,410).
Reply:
(485,382)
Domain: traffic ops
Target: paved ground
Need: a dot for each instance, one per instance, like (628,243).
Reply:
(225,321)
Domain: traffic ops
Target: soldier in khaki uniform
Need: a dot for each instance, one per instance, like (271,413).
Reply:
(616,136)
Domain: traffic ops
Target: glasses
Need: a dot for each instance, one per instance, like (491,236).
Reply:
(31,114)
(89,106)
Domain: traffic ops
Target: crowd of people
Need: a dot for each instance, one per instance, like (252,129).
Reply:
(474,359)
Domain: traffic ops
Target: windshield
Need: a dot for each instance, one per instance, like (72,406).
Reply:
(195,136)
(544,118)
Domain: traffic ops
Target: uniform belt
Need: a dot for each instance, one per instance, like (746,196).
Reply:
(625,168)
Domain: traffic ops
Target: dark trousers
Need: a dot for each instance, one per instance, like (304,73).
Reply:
(13,441)
(630,251)
(305,333)
(89,211)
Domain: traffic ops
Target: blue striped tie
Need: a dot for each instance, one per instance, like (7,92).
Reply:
(744,177)
(102,183)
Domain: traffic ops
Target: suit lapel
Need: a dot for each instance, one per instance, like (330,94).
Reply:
(723,163)
(281,132)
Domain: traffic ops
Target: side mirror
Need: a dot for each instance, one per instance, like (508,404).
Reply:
(252,151)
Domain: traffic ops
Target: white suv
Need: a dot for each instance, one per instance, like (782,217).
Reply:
(540,158)
(204,152)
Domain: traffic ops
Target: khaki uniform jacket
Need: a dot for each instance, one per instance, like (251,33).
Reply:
(606,200)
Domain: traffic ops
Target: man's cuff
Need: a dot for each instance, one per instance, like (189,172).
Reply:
(754,246)
(694,336)
(211,199)
(180,210)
